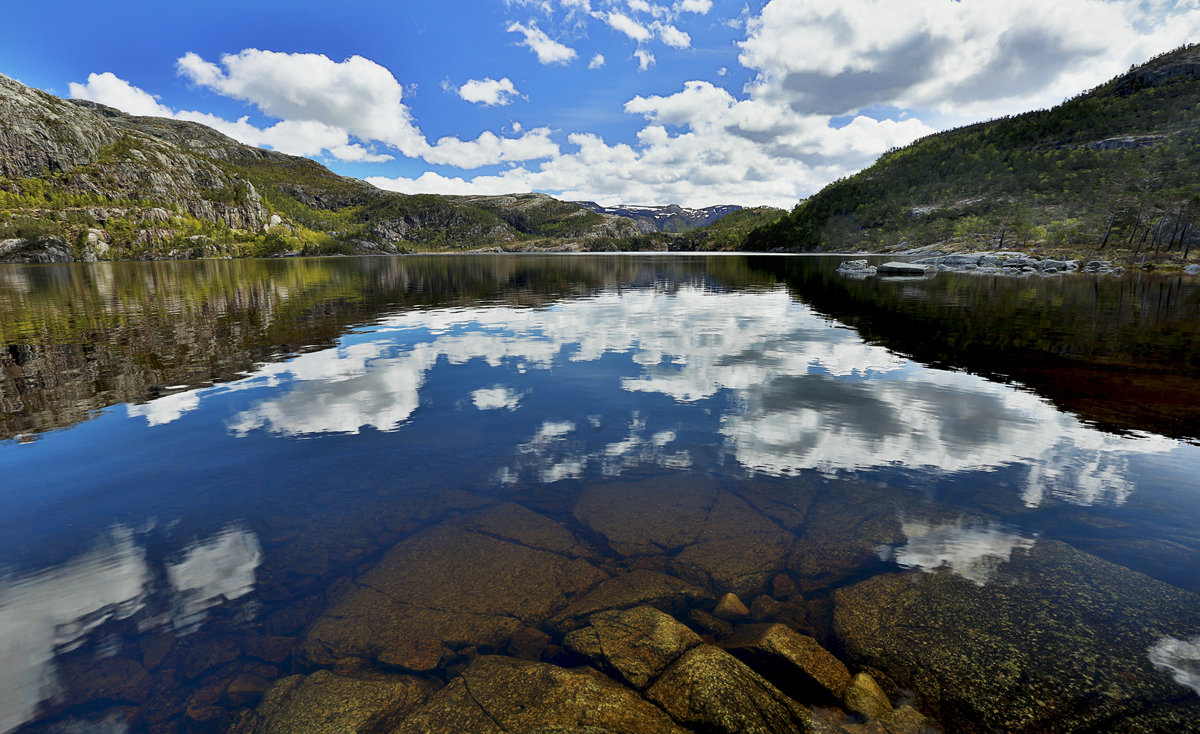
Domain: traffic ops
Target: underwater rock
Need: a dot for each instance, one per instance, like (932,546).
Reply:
(636,588)
(719,539)
(730,607)
(634,646)
(1057,640)
(477,595)
(329,703)
(710,690)
(796,663)
(864,696)
(498,694)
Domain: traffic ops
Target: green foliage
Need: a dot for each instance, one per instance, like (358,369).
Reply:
(1043,177)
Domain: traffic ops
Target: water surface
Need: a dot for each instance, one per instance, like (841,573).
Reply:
(202,463)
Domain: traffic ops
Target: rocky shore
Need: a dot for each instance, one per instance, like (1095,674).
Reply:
(983,263)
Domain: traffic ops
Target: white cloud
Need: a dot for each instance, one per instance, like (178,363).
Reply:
(693,6)
(671,35)
(113,91)
(630,27)
(971,550)
(547,49)
(325,105)
(645,59)
(1181,658)
(489,92)
(596,62)
(960,59)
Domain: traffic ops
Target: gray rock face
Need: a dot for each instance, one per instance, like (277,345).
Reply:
(902,269)
(857,268)
(41,250)
(635,646)
(1045,637)
(496,694)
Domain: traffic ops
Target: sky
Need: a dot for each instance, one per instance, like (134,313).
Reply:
(693,102)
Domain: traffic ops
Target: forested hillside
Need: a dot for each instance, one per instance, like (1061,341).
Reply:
(1116,168)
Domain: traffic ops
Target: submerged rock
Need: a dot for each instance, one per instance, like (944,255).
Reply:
(450,585)
(635,646)
(710,690)
(636,588)
(1057,640)
(864,696)
(796,663)
(328,703)
(718,539)
(730,607)
(497,694)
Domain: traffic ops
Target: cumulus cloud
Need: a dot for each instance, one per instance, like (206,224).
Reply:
(645,59)
(547,49)
(596,62)
(489,92)
(342,109)
(693,6)
(671,35)
(630,27)
(960,59)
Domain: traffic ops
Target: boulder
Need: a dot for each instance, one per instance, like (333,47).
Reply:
(1057,640)
(718,539)
(796,663)
(710,690)
(497,694)
(729,607)
(865,697)
(449,585)
(902,269)
(636,588)
(329,703)
(1192,269)
(634,646)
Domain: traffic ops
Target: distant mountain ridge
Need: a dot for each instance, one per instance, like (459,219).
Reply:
(1114,169)
(82,181)
(667,218)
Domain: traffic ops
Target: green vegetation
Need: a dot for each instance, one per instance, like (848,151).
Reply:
(1113,169)
(729,232)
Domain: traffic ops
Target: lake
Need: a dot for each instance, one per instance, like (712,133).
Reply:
(444,493)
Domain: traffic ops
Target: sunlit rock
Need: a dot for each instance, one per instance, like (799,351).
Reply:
(496,694)
(1056,640)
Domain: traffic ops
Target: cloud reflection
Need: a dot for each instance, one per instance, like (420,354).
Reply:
(805,394)
(1181,658)
(55,609)
(971,550)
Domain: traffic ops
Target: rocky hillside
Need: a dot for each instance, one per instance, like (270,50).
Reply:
(81,181)
(670,218)
(1113,169)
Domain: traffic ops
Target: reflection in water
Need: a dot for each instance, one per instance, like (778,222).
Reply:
(54,609)
(971,550)
(707,423)
(803,396)
(496,398)
(1181,658)
(211,572)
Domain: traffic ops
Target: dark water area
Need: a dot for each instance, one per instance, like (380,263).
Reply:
(242,495)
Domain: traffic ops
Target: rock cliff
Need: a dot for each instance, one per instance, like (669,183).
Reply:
(95,183)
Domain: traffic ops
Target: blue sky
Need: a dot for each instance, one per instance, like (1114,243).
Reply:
(696,102)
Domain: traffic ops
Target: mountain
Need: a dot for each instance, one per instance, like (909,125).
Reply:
(1116,168)
(79,180)
(670,218)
